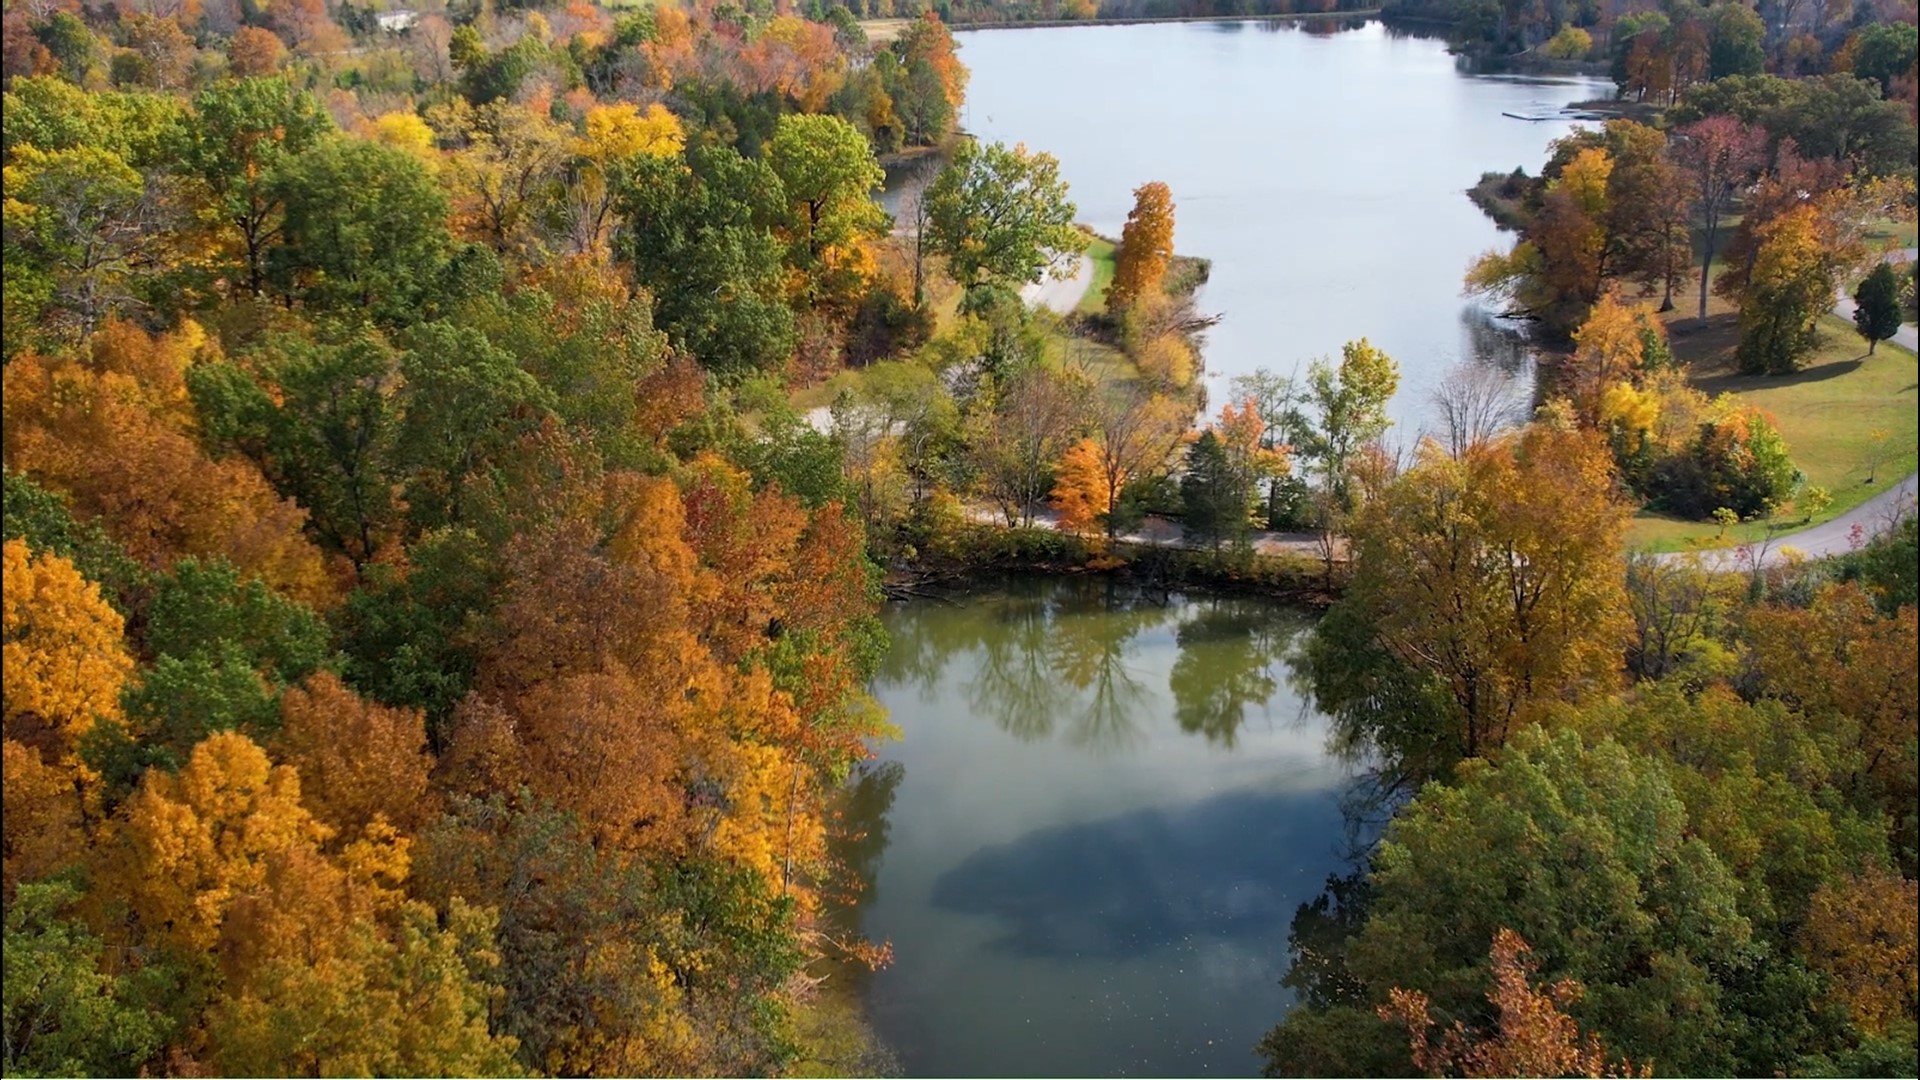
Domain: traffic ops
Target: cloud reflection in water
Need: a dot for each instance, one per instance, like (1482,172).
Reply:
(1225,867)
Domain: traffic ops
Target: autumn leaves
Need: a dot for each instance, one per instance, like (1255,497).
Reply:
(274,805)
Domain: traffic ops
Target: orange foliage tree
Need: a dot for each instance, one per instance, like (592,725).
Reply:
(1531,1036)
(360,763)
(1863,934)
(116,433)
(1080,488)
(1146,247)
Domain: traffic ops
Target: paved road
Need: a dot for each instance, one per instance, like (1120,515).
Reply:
(1165,532)
(1908,335)
(1836,537)
(1063,295)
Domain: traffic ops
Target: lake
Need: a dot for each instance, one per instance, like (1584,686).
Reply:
(1087,847)
(1324,175)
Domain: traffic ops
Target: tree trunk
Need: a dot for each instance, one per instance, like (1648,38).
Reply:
(1706,259)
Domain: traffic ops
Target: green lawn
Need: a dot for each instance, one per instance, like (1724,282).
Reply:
(1902,233)
(1827,413)
(1100,250)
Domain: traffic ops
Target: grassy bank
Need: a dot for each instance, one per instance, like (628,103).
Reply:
(1499,196)
(1828,413)
(981,550)
(1044,24)
(1100,250)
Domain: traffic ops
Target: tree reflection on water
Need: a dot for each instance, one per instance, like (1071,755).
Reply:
(1052,658)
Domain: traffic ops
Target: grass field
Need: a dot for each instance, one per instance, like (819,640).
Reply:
(1828,413)
(883,31)
(1100,250)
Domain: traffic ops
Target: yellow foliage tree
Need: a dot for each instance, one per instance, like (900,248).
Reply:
(620,131)
(40,818)
(405,131)
(65,658)
(190,845)
(1500,574)
(615,135)
(1863,934)
(378,1002)
(1168,361)
(1609,348)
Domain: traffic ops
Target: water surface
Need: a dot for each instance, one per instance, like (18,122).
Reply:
(1105,808)
(1324,174)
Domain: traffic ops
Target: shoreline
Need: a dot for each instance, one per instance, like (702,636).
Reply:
(1049,24)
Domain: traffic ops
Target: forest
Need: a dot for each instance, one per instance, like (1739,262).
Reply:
(437,631)
(415,662)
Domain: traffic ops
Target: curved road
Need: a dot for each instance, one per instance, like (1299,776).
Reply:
(1836,537)
(1061,295)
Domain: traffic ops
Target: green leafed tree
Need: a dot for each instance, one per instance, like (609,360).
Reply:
(319,419)
(64,1015)
(702,241)
(365,230)
(1213,499)
(1876,312)
(1000,215)
(1585,850)
(242,132)
(829,174)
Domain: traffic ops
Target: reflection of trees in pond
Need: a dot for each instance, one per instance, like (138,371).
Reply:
(1318,940)
(1061,653)
(1093,634)
(923,639)
(833,1025)
(1495,342)
(859,836)
(1056,656)
(1228,652)
(1014,682)
(1045,653)
(1330,27)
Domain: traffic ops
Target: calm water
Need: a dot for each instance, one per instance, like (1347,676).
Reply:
(1098,824)
(1322,174)
(1088,845)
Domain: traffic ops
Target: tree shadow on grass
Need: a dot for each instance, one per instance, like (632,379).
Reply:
(1735,382)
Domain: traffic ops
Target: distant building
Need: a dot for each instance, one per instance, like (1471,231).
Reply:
(395,21)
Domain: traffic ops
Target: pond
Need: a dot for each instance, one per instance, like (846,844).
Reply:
(1088,844)
(1323,173)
